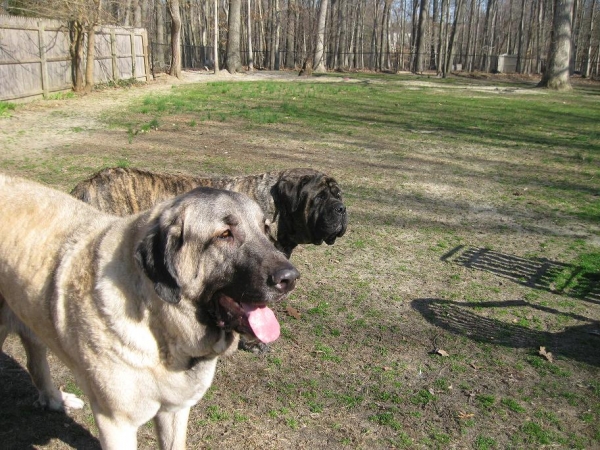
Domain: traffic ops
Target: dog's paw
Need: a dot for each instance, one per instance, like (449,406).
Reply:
(60,402)
(71,401)
(253,347)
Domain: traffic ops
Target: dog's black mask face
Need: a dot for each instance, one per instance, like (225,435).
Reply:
(311,208)
(327,217)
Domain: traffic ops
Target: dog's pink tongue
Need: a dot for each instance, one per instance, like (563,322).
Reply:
(263,322)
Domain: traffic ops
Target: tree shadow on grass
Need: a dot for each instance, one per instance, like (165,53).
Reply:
(579,342)
(537,273)
(23,426)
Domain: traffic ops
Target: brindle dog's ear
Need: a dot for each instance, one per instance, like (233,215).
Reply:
(334,188)
(288,192)
(155,254)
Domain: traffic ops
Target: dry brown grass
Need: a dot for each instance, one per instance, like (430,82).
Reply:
(448,246)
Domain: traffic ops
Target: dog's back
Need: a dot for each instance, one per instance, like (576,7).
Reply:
(125,191)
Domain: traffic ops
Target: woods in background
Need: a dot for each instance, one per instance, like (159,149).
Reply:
(382,35)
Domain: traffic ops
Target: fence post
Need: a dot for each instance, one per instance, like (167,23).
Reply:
(145,50)
(133,53)
(113,50)
(43,62)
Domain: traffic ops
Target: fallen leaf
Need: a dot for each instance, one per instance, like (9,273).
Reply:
(439,351)
(546,354)
(293,312)
(464,416)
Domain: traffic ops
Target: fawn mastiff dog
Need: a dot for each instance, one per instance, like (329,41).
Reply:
(139,308)
(305,206)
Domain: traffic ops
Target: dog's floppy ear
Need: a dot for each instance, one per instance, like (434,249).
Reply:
(155,254)
(288,192)
(334,188)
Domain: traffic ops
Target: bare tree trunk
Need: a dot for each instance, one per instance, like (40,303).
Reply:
(539,34)
(519,67)
(250,54)
(509,40)
(145,8)
(276,35)
(528,47)
(216,37)
(434,32)
(475,38)
(414,34)
(575,26)
(359,61)
(184,36)
(173,7)
(290,57)
(331,35)
(441,65)
(127,15)
(89,63)
(137,14)
(91,46)
(374,63)
(76,50)
(486,32)
(269,30)
(492,36)
(261,34)
(159,51)
(556,75)
(352,29)
(402,35)
(469,49)
(590,31)
(450,52)
(319,63)
(388,37)
(341,47)
(234,60)
(382,39)
(421,37)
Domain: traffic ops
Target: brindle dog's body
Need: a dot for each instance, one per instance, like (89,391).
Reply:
(139,308)
(303,205)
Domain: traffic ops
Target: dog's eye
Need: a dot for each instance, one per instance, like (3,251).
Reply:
(226,235)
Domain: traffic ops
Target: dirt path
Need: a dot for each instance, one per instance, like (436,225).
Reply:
(46,124)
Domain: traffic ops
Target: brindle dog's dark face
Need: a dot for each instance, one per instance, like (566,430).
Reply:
(325,212)
(311,208)
(211,248)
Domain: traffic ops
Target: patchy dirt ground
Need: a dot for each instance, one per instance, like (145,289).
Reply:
(421,328)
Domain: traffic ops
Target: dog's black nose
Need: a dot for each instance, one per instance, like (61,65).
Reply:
(341,210)
(284,280)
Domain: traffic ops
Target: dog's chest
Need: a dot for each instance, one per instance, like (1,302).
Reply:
(183,389)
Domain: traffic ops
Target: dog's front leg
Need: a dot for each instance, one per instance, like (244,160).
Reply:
(171,428)
(115,433)
(37,364)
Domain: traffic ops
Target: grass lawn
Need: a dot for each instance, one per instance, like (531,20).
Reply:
(460,310)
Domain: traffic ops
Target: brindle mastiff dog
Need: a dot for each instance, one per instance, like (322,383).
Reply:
(139,308)
(303,205)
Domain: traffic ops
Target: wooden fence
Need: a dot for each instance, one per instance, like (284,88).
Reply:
(35,60)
